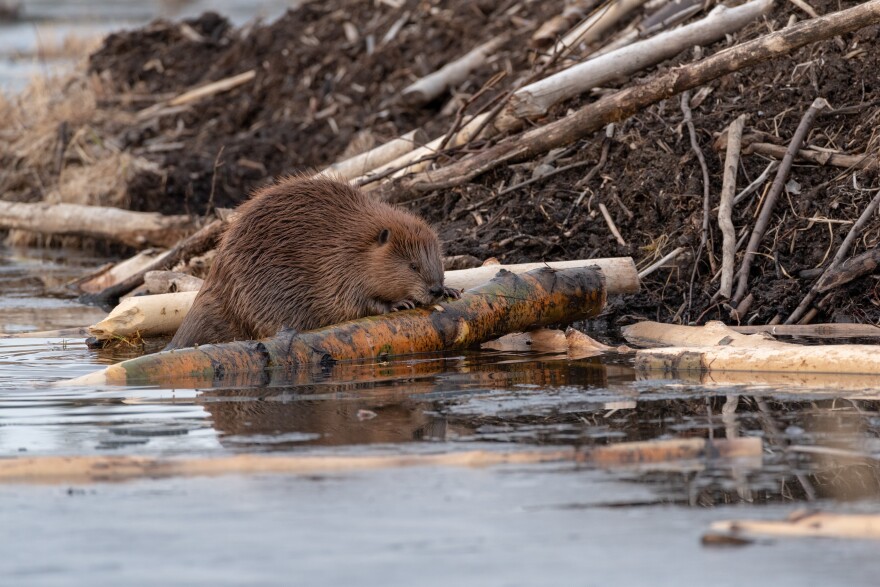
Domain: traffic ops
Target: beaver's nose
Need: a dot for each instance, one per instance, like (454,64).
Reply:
(436,291)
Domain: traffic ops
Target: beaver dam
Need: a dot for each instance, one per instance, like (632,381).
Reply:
(663,219)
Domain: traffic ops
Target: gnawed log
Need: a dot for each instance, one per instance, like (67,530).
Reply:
(623,104)
(807,524)
(103,469)
(508,303)
(814,330)
(144,316)
(136,229)
(656,334)
(161,282)
(450,75)
(116,273)
(137,314)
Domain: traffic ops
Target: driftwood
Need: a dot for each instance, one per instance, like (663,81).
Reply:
(197,243)
(136,229)
(537,98)
(509,303)
(717,348)
(625,103)
(377,157)
(101,469)
(450,75)
(807,524)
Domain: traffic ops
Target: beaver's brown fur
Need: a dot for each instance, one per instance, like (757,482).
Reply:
(305,253)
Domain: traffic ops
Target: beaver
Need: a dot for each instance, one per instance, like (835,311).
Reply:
(307,252)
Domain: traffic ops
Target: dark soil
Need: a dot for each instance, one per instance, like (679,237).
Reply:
(318,95)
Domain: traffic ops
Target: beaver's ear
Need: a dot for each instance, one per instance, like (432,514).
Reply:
(384,236)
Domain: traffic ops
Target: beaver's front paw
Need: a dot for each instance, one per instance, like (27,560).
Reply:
(450,292)
(403,305)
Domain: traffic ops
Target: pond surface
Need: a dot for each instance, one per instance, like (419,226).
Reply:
(501,525)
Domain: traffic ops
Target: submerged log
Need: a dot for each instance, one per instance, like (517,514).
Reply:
(136,229)
(508,303)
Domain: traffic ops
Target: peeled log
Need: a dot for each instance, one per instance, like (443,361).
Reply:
(136,229)
(509,303)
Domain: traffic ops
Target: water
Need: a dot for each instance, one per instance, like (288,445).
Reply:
(501,525)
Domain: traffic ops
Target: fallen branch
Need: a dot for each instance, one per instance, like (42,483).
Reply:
(537,99)
(365,162)
(103,469)
(725,209)
(196,94)
(807,524)
(598,23)
(196,244)
(820,157)
(854,231)
(135,229)
(450,75)
(625,103)
(851,269)
(763,221)
(509,303)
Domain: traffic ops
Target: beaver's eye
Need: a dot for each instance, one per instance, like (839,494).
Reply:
(414,267)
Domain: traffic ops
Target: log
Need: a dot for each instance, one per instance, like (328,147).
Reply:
(162,282)
(116,273)
(195,244)
(509,303)
(450,75)
(623,104)
(135,229)
(807,524)
(537,99)
(144,316)
(103,469)
(814,330)
(377,157)
(656,334)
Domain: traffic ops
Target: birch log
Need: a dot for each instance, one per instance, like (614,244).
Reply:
(136,229)
(536,99)
(377,157)
(450,75)
(625,103)
(148,317)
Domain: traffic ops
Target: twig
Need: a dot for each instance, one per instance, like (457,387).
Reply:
(725,210)
(805,7)
(603,158)
(652,268)
(611,226)
(770,201)
(842,252)
(759,181)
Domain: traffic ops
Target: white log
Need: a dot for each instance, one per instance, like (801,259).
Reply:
(377,157)
(620,273)
(657,334)
(119,272)
(137,229)
(145,316)
(536,99)
(813,524)
(450,75)
(592,28)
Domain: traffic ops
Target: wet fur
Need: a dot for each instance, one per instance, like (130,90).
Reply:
(305,253)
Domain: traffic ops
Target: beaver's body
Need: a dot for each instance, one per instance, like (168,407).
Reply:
(305,253)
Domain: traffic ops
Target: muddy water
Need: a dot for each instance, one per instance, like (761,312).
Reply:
(512,525)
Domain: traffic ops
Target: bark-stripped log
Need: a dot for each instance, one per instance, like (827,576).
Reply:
(360,164)
(508,303)
(136,229)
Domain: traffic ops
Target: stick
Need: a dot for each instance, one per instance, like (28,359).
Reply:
(725,210)
(611,226)
(852,269)
(596,25)
(654,267)
(196,244)
(854,231)
(450,75)
(135,229)
(538,98)
(867,161)
(361,164)
(188,97)
(625,103)
(770,200)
